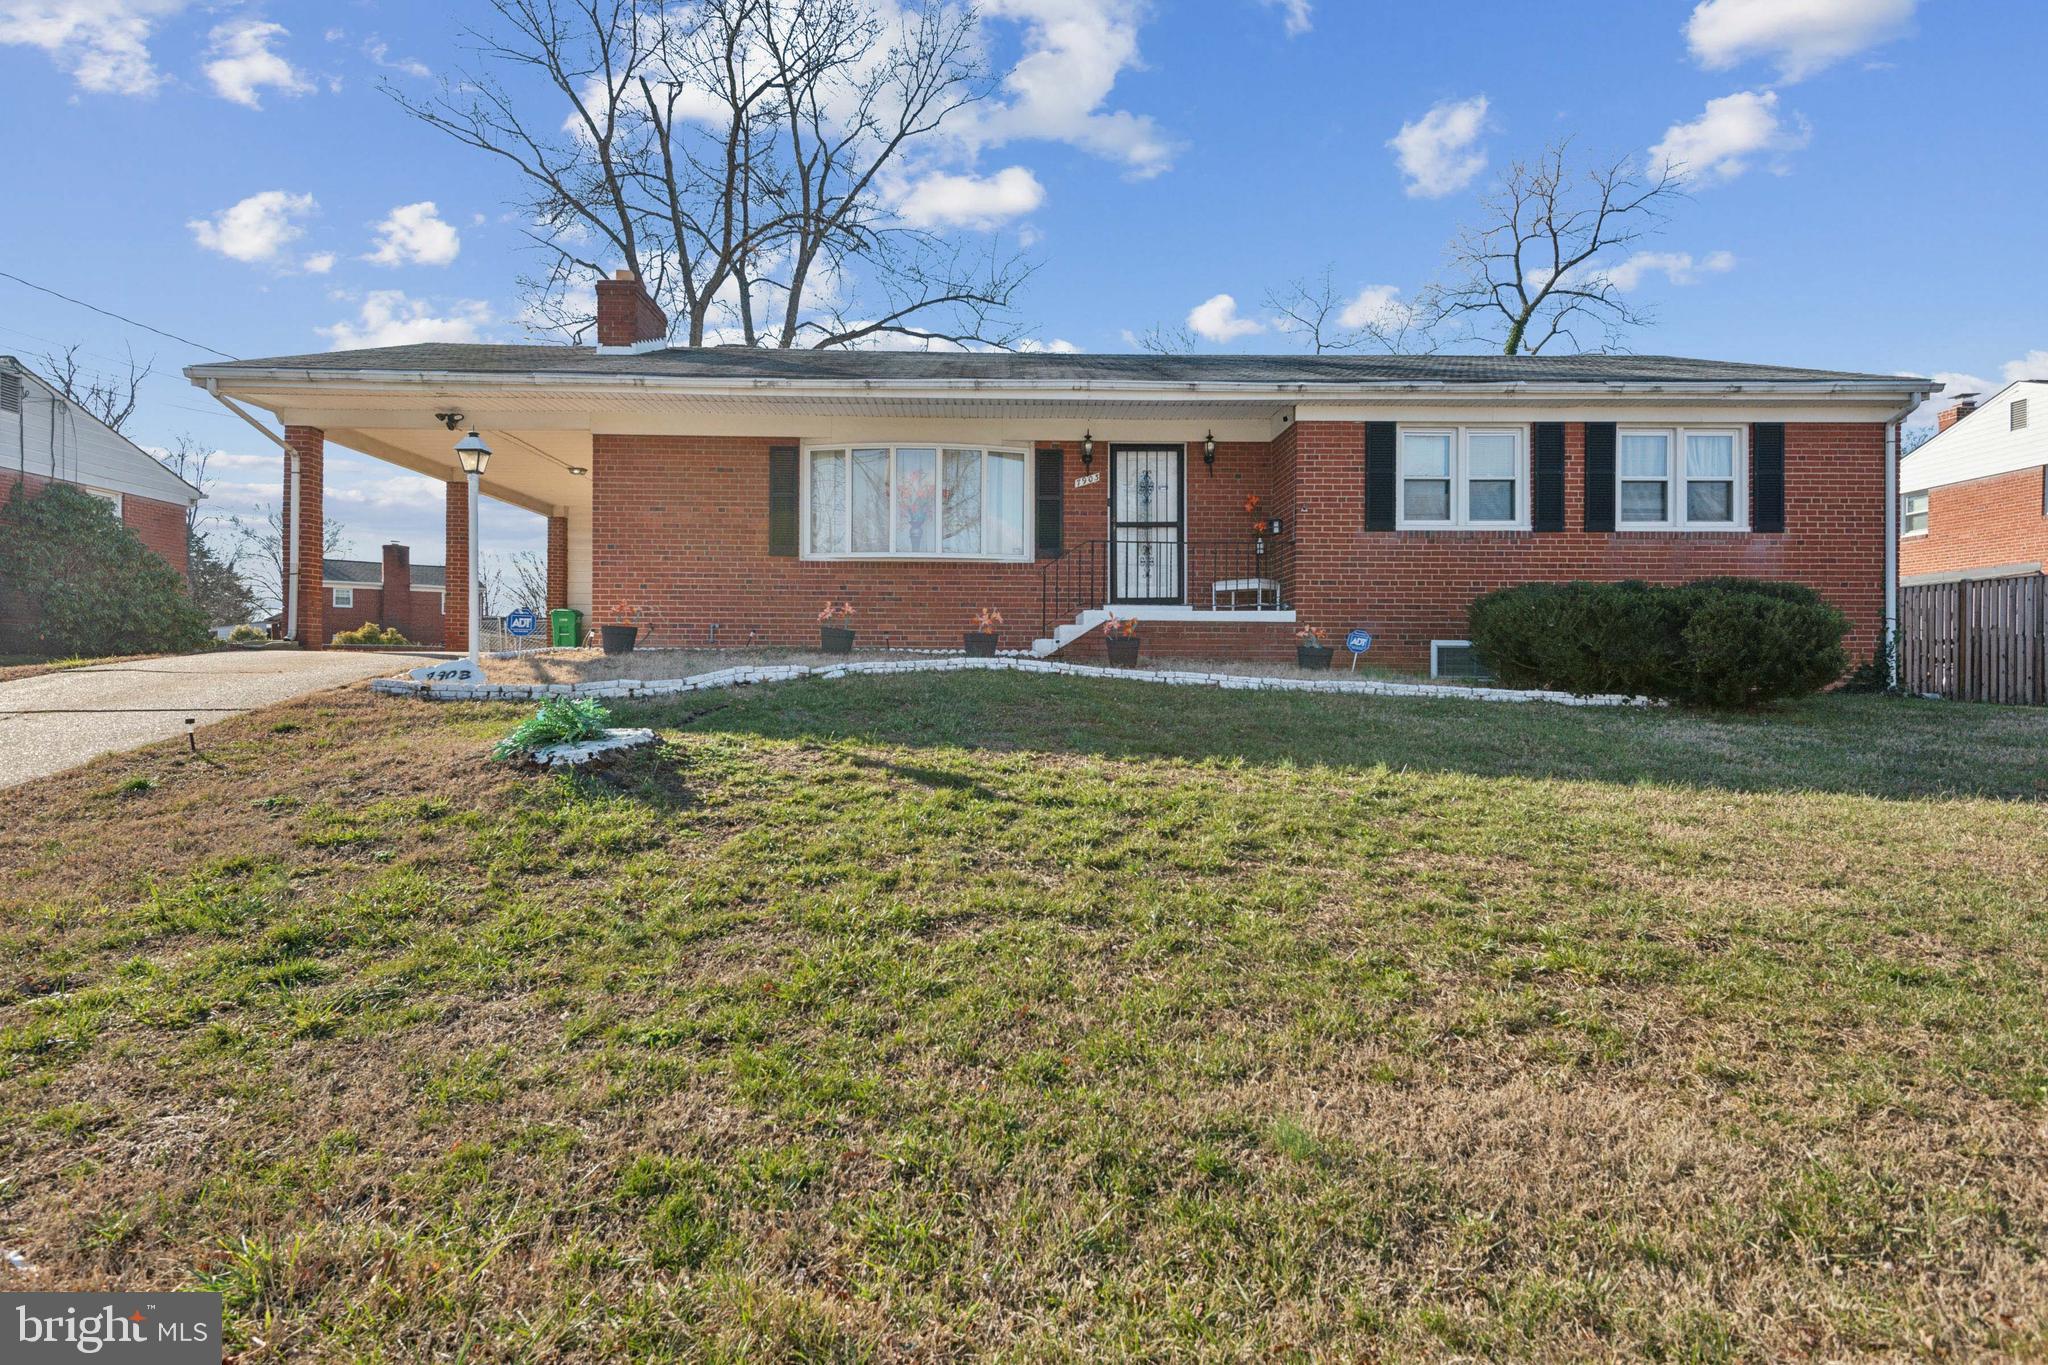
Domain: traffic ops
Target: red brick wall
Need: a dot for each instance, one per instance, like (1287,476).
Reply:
(558,563)
(680,542)
(455,562)
(1411,587)
(310,443)
(422,626)
(1980,524)
(1194,640)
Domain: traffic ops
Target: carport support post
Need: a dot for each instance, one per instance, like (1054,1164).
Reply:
(303,529)
(455,561)
(558,563)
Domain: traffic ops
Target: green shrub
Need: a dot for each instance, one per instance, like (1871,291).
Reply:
(1717,642)
(370,633)
(246,635)
(560,720)
(89,585)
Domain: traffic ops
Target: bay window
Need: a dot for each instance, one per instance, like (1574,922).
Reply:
(1463,478)
(1680,478)
(915,501)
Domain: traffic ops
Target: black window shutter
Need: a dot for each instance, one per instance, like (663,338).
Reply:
(1599,476)
(1546,501)
(1767,477)
(782,483)
(1051,513)
(1379,476)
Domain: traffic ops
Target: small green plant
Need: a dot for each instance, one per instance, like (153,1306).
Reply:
(246,635)
(560,720)
(370,633)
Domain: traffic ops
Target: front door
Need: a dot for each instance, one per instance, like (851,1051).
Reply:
(1147,539)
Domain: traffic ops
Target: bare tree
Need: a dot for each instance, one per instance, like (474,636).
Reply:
(736,155)
(1164,339)
(526,572)
(1533,272)
(1314,310)
(189,460)
(259,552)
(109,397)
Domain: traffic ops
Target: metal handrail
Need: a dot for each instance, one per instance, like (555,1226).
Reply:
(1244,573)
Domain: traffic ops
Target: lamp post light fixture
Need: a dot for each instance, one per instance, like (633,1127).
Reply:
(1087,449)
(475,457)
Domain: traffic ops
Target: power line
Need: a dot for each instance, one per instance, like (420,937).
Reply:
(106,312)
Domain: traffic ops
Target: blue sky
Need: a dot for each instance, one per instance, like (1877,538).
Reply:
(1863,193)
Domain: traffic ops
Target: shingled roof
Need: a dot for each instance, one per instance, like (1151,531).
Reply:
(360,573)
(742,364)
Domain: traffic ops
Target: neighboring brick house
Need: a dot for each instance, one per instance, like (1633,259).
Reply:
(721,494)
(392,592)
(46,438)
(1975,495)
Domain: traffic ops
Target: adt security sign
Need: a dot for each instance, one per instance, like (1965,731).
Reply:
(521,622)
(1358,641)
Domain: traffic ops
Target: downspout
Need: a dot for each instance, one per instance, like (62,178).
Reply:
(291,514)
(1891,545)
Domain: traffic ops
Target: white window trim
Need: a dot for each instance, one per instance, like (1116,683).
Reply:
(344,597)
(1435,655)
(1460,501)
(1676,480)
(803,502)
(1915,493)
(106,495)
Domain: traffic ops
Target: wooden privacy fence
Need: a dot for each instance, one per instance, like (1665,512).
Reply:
(1976,641)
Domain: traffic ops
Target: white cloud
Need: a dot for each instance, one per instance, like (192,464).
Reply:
(388,318)
(1374,306)
(243,65)
(319,263)
(2032,365)
(379,51)
(1057,346)
(1436,152)
(1216,320)
(1295,13)
(1800,36)
(1677,267)
(1074,50)
(1730,133)
(970,201)
(1955,383)
(414,234)
(257,228)
(104,44)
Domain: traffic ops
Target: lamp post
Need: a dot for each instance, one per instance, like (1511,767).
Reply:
(475,457)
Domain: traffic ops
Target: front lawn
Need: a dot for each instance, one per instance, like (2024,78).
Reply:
(942,1016)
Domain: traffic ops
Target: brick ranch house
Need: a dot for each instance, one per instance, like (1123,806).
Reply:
(46,438)
(721,494)
(390,591)
(1976,493)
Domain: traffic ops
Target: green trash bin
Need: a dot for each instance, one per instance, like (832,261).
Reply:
(565,628)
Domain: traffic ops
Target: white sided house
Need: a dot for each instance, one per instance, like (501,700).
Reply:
(1974,498)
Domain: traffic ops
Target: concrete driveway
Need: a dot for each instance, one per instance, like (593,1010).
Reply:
(60,720)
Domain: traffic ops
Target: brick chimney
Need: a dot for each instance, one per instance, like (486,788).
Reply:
(1964,405)
(626,318)
(398,590)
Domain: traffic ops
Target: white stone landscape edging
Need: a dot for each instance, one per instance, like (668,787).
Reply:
(629,689)
(585,750)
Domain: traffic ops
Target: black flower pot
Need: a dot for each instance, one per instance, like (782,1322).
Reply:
(1123,650)
(1313,656)
(618,639)
(981,644)
(835,639)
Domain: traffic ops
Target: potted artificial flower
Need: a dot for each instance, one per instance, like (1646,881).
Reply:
(1121,637)
(835,639)
(981,641)
(1311,648)
(621,637)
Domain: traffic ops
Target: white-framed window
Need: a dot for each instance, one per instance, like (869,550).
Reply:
(1681,479)
(105,495)
(1913,513)
(929,501)
(1459,478)
(344,597)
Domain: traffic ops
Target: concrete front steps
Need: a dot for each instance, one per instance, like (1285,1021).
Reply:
(1096,617)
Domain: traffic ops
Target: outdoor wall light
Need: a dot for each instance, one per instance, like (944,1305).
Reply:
(1209,451)
(578,470)
(474,454)
(1087,449)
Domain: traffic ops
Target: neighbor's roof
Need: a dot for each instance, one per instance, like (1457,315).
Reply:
(344,573)
(744,364)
